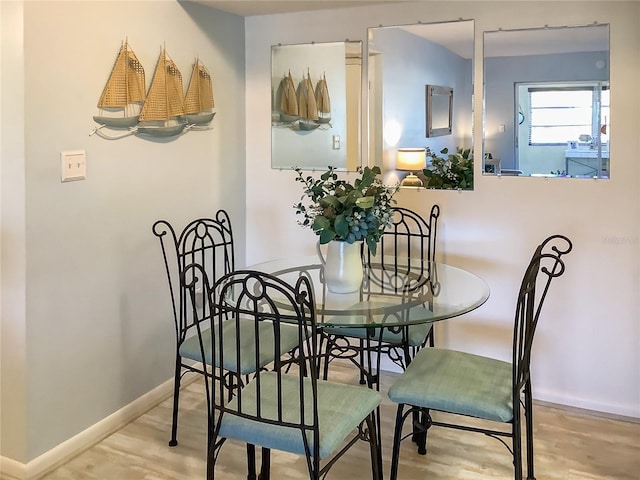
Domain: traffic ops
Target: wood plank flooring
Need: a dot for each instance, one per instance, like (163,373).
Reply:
(569,445)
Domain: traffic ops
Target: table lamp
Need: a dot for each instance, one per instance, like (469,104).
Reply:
(411,160)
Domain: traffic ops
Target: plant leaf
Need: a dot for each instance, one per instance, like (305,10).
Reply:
(342,226)
(326,236)
(373,245)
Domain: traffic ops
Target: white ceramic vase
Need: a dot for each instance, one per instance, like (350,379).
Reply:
(342,266)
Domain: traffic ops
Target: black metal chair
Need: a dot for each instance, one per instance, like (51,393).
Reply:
(480,387)
(408,245)
(285,407)
(207,242)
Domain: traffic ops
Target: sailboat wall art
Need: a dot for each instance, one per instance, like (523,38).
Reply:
(303,108)
(307,105)
(199,101)
(316,105)
(323,100)
(288,100)
(162,114)
(164,110)
(124,92)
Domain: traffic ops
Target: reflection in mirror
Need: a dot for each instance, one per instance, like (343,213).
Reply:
(402,60)
(316,103)
(547,102)
(439,110)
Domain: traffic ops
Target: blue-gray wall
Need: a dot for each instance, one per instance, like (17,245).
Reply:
(409,64)
(501,75)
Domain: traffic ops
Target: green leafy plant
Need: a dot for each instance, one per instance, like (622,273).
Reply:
(453,172)
(338,210)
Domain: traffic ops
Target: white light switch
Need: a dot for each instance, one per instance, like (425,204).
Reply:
(500,128)
(336,142)
(73,165)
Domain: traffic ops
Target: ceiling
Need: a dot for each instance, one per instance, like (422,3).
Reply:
(249,8)
(452,35)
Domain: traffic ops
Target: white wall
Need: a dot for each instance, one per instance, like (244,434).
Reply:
(588,344)
(86,320)
(13,390)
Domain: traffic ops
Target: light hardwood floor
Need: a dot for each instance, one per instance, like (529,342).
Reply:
(569,445)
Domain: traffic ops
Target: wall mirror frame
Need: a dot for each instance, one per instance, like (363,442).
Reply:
(546,102)
(439,110)
(402,60)
(316,103)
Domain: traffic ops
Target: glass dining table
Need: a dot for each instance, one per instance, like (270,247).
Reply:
(389,292)
(393,296)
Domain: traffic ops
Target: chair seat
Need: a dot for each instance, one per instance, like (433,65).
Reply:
(416,337)
(190,348)
(457,382)
(341,408)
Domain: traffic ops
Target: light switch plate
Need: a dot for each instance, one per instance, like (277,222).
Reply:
(73,164)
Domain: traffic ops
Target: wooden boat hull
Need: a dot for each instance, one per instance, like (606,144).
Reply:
(117,122)
(161,131)
(199,118)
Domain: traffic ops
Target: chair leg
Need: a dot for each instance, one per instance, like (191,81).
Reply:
(415,421)
(211,461)
(517,440)
(265,468)
(528,412)
(251,462)
(375,447)
(361,348)
(397,436)
(421,429)
(176,396)
(324,347)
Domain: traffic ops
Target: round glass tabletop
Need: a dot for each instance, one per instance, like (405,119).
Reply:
(403,293)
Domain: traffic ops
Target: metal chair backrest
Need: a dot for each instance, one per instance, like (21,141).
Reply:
(406,248)
(204,241)
(266,305)
(545,265)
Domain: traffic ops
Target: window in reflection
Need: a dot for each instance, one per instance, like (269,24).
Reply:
(547,102)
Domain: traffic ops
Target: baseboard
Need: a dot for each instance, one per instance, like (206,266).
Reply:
(62,453)
(12,470)
(614,411)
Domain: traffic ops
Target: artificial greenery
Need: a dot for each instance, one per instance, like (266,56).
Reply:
(338,210)
(453,172)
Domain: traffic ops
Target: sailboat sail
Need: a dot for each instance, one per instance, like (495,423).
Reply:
(199,102)
(307,107)
(124,91)
(165,100)
(323,101)
(288,100)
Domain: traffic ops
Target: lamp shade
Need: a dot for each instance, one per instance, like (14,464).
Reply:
(411,159)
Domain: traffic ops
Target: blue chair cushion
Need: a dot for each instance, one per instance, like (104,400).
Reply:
(341,408)
(457,382)
(190,348)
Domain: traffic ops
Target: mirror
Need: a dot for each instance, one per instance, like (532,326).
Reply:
(402,60)
(315,105)
(546,93)
(439,110)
